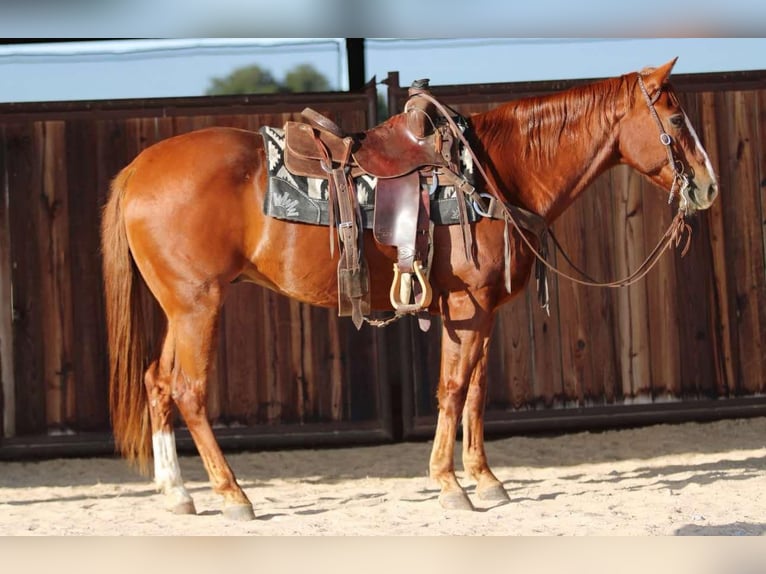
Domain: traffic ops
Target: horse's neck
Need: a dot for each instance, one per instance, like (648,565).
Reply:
(545,151)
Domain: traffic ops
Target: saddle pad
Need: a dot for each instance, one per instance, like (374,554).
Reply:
(305,199)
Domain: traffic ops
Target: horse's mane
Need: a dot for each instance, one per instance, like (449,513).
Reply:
(544,123)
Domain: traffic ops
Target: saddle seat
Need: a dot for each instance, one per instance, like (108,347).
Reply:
(389,150)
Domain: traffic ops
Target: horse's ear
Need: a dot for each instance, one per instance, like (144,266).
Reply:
(655,78)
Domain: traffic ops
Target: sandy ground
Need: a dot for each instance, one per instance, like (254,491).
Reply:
(688,479)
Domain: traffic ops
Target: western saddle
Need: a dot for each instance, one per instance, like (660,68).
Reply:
(409,155)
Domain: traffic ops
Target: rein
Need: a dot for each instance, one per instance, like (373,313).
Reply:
(672,237)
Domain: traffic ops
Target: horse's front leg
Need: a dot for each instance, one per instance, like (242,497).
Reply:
(488,487)
(466,327)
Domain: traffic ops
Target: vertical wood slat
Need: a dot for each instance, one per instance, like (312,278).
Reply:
(241,333)
(546,345)
(629,251)
(597,213)
(85,198)
(760,181)
(586,315)
(7,390)
(56,284)
(512,350)
(573,319)
(23,148)
(745,227)
(696,324)
(711,133)
(663,380)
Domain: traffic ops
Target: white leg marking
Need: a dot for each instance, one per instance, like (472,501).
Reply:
(167,472)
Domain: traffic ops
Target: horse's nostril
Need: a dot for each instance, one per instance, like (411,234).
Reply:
(712,192)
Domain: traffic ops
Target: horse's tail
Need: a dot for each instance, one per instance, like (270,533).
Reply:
(127,347)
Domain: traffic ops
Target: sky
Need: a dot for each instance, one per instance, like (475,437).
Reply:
(113,69)
(380,18)
(476,41)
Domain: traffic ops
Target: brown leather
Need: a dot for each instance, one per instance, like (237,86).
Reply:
(394,152)
(391,149)
(386,151)
(397,203)
(322,122)
(302,155)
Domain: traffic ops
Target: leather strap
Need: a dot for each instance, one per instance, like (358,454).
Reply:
(322,122)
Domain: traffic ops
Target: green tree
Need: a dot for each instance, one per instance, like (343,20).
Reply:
(255,80)
(248,80)
(305,78)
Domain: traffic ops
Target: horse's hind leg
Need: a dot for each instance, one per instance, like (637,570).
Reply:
(195,331)
(167,472)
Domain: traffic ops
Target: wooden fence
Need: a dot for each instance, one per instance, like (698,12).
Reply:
(688,339)
(280,364)
(684,339)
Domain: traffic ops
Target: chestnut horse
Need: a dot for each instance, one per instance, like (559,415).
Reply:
(187,213)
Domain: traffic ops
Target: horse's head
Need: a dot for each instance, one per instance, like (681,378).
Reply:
(657,138)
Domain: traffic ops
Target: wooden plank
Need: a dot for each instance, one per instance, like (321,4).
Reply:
(760,385)
(337,382)
(24,154)
(244,358)
(573,312)
(696,319)
(55,281)
(7,389)
(630,250)
(711,132)
(589,361)
(663,379)
(280,391)
(546,344)
(319,387)
(302,361)
(420,354)
(85,158)
(499,368)
(362,391)
(598,220)
(744,234)
(696,336)
(725,245)
(511,339)
(275,345)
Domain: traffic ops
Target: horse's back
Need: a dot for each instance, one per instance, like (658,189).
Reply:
(210,148)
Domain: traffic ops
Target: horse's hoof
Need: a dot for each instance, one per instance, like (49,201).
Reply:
(494,493)
(455,500)
(186,507)
(239,512)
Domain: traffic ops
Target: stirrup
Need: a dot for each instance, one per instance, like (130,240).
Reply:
(401,287)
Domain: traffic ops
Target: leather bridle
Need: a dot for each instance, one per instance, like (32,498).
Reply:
(680,179)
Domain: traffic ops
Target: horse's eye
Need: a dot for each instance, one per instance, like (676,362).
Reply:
(677,121)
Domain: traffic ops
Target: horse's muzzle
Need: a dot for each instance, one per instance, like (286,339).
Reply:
(703,196)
